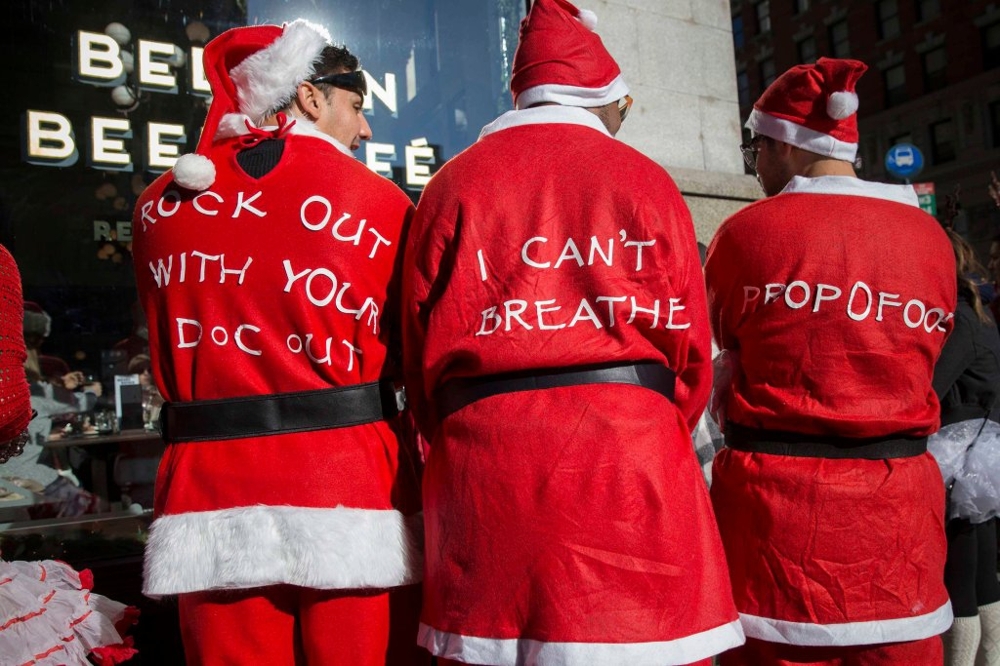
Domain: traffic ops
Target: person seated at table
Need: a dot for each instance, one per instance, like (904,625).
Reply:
(58,399)
(52,369)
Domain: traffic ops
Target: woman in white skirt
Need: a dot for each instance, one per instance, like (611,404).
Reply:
(967,382)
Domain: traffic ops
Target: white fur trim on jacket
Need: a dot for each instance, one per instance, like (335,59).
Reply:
(854,187)
(573,95)
(545,115)
(895,630)
(512,651)
(801,136)
(269,77)
(234,124)
(335,549)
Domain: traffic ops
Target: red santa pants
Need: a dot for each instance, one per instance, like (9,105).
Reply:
(928,652)
(292,626)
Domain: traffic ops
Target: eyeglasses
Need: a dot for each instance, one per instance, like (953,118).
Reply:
(624,105)
(354,81)
(750,150)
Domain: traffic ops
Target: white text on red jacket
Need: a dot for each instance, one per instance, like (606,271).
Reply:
(539,253)
(322,286)
(859,302)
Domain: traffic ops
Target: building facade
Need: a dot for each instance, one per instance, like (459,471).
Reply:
(933,82)
(677,57)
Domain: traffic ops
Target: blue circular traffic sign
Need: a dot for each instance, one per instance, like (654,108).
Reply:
(904,160)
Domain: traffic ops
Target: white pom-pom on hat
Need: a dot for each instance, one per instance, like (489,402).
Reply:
(588,19)
(842,105)
(194,172)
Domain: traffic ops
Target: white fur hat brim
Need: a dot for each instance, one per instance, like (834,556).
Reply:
(573,95)
(268,78)
(800,136)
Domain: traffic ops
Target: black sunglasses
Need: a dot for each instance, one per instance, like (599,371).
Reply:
(750,150)
(354,81)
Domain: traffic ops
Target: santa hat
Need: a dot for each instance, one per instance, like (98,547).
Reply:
(561,59)
(15,404)
(252,71)
(813,107)
(36,320)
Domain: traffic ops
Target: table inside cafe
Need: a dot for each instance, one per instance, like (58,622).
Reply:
(102,500)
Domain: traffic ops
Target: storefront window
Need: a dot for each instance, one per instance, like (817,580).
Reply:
(102,97)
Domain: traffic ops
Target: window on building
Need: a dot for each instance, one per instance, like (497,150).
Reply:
(928,9)
(888,19)
(763,11)
(991,46)
(943,148)
(935,69)
(743,87)
(800,6)
(807,50)
(995,124)
(738,38)
(895,85)
(767,74)
(839,42)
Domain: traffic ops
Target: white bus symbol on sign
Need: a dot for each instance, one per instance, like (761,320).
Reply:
(904,156)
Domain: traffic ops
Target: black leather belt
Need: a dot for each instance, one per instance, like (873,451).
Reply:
(458,393)
(781,443)
(258,416)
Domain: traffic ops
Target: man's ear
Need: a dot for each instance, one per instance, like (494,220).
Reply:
(308,98)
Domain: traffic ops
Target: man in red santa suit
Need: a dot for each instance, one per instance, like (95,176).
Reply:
(831,300)
(286,512)
(557,352)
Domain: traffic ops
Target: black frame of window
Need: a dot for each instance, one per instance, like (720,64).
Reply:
(994,112)
(991,55)
(937,79)
(836,44)
(799,49)
(918,8)
(767,79)
(739,36)
(896,95)
(881,20)
(743,87)
(942,152)
(763,22)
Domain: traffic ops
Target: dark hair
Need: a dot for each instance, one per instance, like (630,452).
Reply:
(334,60)
(331,60)
(968,269)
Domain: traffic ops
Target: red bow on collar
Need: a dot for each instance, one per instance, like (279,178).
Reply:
(256,134)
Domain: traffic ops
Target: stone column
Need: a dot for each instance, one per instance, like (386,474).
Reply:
(677,57)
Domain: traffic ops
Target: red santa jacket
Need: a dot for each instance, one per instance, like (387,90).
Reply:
(837,302)
(273,285)
(554,278)
(571,522)
(835,298)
